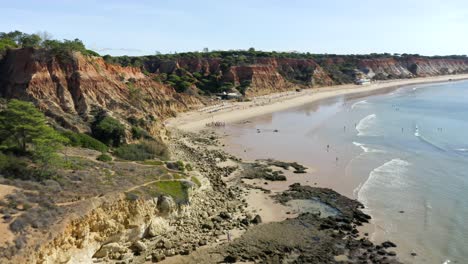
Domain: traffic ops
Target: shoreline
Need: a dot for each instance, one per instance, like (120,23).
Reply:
(229,112)
(273,236)
(260,202)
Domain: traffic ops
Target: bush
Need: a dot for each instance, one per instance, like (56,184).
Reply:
(15,167)
(178,165)
(104,158)
(142,151)
(108,130)
(85,141)
(138,133)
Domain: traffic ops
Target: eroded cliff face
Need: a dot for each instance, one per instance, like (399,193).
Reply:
(263,75)
(107,222)
(71,89)
(412,67)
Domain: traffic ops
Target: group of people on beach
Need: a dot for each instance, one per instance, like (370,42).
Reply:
(216,124)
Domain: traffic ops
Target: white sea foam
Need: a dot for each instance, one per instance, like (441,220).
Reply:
(462,149)
(365,124)
(390,175)
(365,148)
(359,103)
(428,141)
(356,190)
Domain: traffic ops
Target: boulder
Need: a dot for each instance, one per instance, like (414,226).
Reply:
(166,204)
(139,247)
(230,259)
(388,244)
(109,249)
(157,257)
(257,220)
(208,225)
(225,215)
(157,226)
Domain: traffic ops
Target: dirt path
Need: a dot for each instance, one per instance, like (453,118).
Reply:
(5,233)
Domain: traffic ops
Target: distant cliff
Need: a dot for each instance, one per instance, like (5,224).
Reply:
(257,73)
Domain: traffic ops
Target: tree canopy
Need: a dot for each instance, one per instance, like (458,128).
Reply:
(24,129)
(18,39)
(108,130)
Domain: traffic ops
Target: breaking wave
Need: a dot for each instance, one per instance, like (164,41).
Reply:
(426,140)
(365,148)
(359,103)
(365,124)
(390,175)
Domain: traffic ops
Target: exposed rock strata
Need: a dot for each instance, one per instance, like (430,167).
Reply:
(72,89)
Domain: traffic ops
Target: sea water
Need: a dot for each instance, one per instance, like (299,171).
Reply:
(403,154)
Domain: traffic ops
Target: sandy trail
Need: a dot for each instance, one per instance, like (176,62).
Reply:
(5,233)
(229,112)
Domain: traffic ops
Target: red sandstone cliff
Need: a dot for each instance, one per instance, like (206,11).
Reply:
(70,89)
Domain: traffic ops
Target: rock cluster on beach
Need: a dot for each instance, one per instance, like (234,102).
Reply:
(308,238)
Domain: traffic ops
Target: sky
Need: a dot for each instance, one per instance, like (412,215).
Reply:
(144,27)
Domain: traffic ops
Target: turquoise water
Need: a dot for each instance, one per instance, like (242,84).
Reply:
(404,155)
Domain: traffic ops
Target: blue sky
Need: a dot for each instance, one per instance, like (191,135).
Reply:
(429,27)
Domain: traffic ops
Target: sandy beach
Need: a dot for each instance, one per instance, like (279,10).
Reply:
(228,112)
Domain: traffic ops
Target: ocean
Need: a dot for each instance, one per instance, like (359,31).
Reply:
(403,154)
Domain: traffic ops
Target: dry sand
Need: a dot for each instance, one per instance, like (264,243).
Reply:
(229,112)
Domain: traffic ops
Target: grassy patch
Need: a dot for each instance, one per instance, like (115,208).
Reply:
(74,163)
(143,151)
(177,176)
(196,181)
(176,189)
(152,162)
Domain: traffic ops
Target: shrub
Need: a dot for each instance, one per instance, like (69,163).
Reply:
(142,151)
(104,158)
(85,141)
(138,133)
(15,167)
(108,130)
(158,148)
(178,165)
